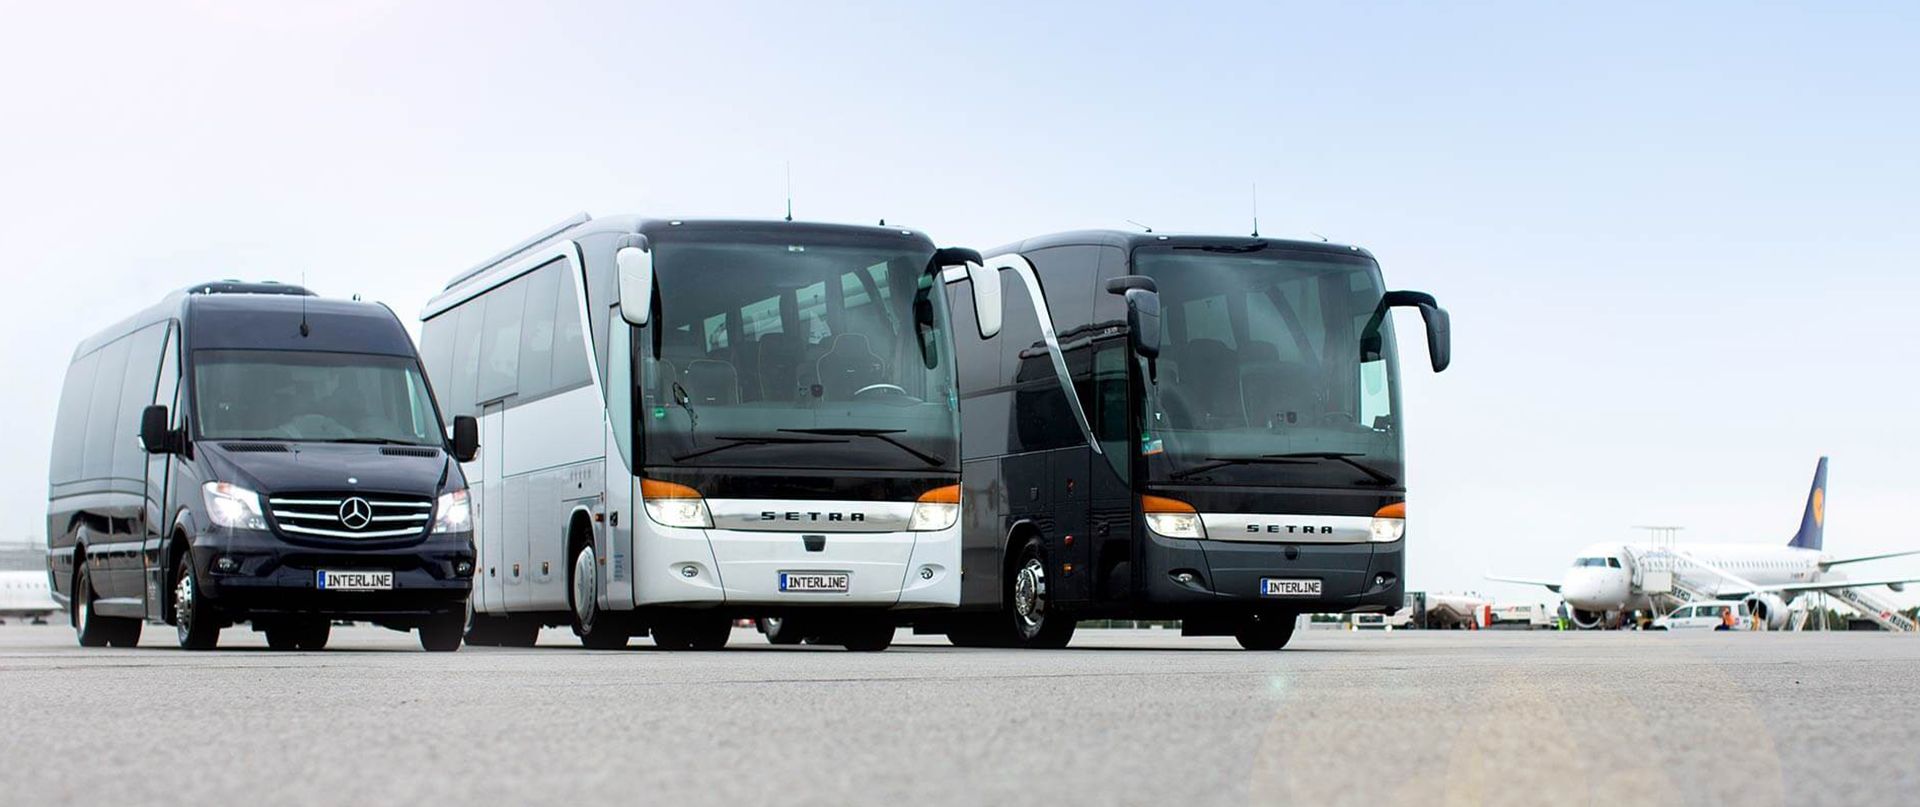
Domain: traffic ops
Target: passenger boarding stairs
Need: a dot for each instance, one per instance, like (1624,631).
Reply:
(1656,574)
(1871,606)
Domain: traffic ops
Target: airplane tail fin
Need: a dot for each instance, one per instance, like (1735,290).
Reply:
(1813,525)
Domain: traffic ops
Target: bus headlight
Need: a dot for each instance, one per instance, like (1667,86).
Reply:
(937,509)
(452,513)
(674,505)
(230,505)
(1172,518)
(1390,522)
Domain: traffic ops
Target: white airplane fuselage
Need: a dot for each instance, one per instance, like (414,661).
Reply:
(26,594)
(1603,580)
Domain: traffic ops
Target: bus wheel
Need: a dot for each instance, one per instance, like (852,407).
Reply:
(780,630)
(306,634)
(867,635)
(193,617)
(583,594)
(441,633)
(693,632)
(92,629)
(1266,631)
(1035,623)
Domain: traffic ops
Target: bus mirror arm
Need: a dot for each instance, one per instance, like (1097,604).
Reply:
(466,438)
(1439,324)
(155,436)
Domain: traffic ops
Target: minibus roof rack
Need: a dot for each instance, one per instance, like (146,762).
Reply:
(232,286)
(574,220)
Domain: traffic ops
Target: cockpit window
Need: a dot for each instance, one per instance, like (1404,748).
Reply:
(1582,562)
(1613,563)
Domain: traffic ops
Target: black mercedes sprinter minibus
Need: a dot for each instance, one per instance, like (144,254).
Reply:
(248,452)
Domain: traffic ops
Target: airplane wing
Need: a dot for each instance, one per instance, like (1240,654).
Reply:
(1863,558)
(1551,585)
(1829,585)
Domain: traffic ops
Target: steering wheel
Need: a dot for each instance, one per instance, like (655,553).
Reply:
(890,389)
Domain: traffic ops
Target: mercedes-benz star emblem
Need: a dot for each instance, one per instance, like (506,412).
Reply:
(356,513)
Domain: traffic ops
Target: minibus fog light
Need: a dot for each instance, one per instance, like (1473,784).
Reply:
(463,568)
(674,505)
(1390,523)
(937,509)
(452,512)
(1172,518)
(230,505)
(226,564)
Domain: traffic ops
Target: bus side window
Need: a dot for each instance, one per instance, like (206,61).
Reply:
(1110,406)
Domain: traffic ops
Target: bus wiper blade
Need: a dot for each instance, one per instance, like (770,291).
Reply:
(736,442)
(1222,462)
(374,441)
(1344,457)
(877,434)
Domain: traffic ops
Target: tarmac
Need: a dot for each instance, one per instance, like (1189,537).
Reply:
(1120,717)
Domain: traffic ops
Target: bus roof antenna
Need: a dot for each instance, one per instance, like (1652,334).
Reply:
(1139,225)
(789,190)
(1256,210)
(304,330)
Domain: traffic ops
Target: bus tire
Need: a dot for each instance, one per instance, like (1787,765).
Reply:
(867,635)
(1265,631)
(441,633)
(780,630)
(596,631)
(1034,621)
(89,627)
(694,631)
(195,624)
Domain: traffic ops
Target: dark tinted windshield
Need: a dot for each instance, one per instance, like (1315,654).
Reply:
(1267,370)
(294,395)
(798,354)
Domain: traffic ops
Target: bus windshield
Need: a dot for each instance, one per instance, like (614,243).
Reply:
(818,355)
(1276,367)
(312,396)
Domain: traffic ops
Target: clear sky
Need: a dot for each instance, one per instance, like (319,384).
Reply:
(1678,240)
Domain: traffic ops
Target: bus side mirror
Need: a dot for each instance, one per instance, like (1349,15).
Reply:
(986,298)
(1143,322)
(1439,324)
(155,437)
(466,438)
(635,265)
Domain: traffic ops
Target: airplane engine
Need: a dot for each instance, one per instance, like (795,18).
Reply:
(1769,608)
(1588,620)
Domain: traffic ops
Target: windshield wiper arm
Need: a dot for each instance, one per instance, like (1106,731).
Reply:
(877,434)
(1343,457)
(736,442)
(376,441)
(1222,462)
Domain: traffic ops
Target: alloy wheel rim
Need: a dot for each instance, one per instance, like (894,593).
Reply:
(1030,594)
(585,591)
(183,606)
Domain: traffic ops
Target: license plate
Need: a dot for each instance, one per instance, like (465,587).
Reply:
(354,581)
(1281,587)
(814,582)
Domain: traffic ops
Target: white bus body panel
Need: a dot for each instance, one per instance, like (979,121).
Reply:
(742,567)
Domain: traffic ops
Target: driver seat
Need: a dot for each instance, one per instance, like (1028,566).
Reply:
(848,366)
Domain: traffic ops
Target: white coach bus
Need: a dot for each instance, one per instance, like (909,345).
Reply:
(687,422)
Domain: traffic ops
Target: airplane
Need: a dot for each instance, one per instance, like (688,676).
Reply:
(25,595)
(1608,581)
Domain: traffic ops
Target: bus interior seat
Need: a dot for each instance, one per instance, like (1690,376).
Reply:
(848,366)
(777,370)
(709,381)
(1215,396)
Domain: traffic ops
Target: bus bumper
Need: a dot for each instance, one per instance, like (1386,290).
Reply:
(248,574)
(1211,576)
(735,568)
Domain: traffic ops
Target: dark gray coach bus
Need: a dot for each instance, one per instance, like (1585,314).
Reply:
(1179,427)
(247,452)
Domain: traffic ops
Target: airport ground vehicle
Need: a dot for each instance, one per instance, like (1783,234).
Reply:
(1178,427)
(1703,616)
(248,452)
(684,422)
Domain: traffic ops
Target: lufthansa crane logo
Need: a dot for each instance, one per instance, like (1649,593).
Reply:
(356,513)
(1819,506)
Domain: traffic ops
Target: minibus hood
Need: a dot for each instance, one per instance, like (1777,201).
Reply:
(270,467)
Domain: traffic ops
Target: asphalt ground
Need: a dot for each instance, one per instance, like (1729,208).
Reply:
(1121,717)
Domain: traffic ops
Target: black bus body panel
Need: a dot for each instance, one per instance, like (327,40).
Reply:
(127,515)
